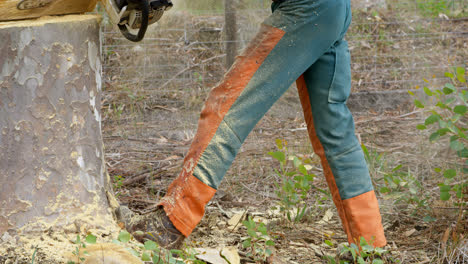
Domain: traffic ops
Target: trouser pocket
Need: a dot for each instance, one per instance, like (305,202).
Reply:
(340,86)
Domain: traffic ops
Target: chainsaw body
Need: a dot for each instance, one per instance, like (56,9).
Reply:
(135,15)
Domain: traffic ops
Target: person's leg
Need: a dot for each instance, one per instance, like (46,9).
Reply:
(290,41)
(324,89)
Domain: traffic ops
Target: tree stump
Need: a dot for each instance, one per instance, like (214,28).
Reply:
(53,179)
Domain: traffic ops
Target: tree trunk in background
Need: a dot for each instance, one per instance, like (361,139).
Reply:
(52,170)
(231,31)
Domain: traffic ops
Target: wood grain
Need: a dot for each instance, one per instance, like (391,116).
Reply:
(9,8)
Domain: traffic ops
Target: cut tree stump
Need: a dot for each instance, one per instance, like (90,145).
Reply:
(53,178)
(22,9)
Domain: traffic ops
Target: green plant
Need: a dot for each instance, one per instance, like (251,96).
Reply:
(375,161)
(34,255)
(447,108)
(434,7)
(118,183)
(80,244)
(151,252)
(258,240)
(365,253)
(405,188)
(294,182)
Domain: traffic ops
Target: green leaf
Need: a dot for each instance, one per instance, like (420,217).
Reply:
(429,219)
(268,252)
(377,261)
(444,188)
(449,74)
(156,259)
(437,169)
(463,153)
(418,104)
(456,145)
(246,243)
(450,100)
(124,236)
(421,127)
(434,136)
(279,143)
(145,257)
(459,191)
(262,229)
(464,95)
(150,245)
(397,168)
(302,169)
(278,155)
(444,196)
(447,90)
(91,239)
(270,243)
(252,233)
(461,74)
(450,173)
(441,105)
(296,162)
(360,260)
(328,242)
(460,109)
(431,119)
(368,248)
(460,70)
(450,86)
(443,131)
(411,93)
(384,190)
(428,91)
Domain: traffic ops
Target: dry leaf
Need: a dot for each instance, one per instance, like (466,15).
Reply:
(445,237)
(215,256)
(235,219)
(326,218)
(410,232)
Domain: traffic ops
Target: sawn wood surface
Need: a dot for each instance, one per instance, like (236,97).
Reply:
(24,9)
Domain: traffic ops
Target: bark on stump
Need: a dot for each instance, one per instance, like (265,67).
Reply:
(52,172)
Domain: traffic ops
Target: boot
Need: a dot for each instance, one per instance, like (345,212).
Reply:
(155,226)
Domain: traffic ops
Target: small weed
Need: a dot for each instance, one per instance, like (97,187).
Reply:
(401,185)
(294,182)
(447,108)
(34,255)
(365,253)
(404,188)
(118,183)
(80,244)
(433,7)
(150,251)
(259,240)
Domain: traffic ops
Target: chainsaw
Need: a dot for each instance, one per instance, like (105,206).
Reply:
(133,16)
